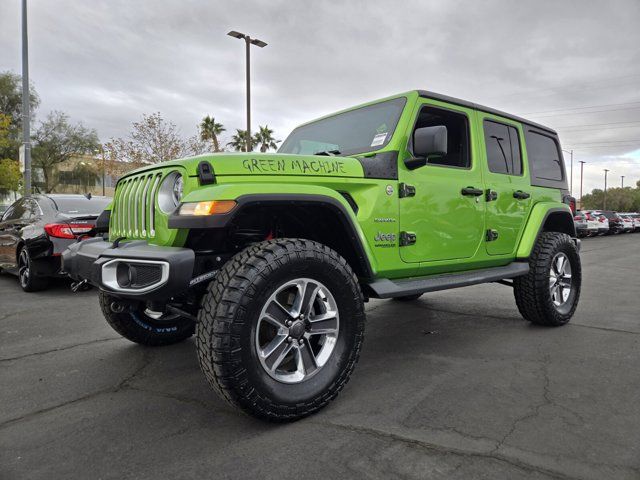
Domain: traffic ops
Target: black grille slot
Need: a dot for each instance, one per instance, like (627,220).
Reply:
(145,275)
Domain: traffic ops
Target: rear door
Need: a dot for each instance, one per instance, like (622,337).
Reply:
(507,184)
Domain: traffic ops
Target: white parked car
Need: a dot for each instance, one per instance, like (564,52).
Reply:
(628,222)
(603,222)
(634,218)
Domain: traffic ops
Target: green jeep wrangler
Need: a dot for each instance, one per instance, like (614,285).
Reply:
(269,258)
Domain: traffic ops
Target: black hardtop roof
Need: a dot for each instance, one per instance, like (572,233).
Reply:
(465,103)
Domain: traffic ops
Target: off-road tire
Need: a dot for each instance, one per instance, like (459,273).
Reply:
(531,291)
(230,312)
(139,328)
(30,282)
(408,298)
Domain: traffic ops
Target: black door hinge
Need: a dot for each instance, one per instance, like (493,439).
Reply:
(406,190)
(407,238)
(492,235)
(491,195)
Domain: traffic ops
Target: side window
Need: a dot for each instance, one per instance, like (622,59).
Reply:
(457,135)
(503,148)
(16,211)
(8,214)
(544,157)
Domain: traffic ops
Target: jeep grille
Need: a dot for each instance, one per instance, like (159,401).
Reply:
(133,214)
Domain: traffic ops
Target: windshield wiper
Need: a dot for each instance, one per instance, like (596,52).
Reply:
(328,153)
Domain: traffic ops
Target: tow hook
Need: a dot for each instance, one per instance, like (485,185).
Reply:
(75,286)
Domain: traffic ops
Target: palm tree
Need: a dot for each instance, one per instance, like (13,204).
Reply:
(209,131)
(239,141)
(264,138)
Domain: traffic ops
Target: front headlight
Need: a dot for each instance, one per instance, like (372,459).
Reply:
(170,192)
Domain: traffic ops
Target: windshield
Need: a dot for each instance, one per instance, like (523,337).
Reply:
(361,130)
(77,206)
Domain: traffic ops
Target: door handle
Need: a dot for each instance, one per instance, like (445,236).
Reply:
(472,191)
(491,195)
(520,195)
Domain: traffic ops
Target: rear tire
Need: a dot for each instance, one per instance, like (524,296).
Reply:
(265,355)
(26,276)
(548,295)
(140,328)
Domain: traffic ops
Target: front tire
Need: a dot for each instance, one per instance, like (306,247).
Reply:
(133,324)
(281,328)
(548,295)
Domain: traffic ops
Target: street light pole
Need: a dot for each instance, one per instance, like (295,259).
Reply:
(605,189)
(26,111)
(582,162)
(248,42)
(622,177)
(570,152)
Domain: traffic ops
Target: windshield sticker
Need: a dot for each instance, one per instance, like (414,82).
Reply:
(379,139)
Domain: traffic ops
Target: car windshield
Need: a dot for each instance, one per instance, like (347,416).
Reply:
(361,130)
(80,205)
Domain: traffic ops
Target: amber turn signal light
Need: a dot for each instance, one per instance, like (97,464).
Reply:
(211,207)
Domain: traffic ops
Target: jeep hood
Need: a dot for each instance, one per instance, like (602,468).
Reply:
(268,164)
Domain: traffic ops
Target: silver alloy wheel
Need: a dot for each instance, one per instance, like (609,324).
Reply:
(297,330)
(23,267)
(560,279)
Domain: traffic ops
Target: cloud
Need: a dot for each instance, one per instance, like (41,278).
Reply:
(106,62)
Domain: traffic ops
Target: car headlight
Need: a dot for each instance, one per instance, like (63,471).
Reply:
(170,192)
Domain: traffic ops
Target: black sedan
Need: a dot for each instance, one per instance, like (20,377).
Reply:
(616,224)
(36,229)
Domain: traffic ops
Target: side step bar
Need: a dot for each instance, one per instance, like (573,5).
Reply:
(385,288)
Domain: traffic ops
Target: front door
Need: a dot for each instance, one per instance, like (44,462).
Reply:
(507,183)
(446,213)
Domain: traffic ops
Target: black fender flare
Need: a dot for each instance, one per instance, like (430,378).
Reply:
(273,199)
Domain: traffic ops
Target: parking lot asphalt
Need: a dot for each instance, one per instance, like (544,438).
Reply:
(455,385)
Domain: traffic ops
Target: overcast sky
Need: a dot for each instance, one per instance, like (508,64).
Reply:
(573,65)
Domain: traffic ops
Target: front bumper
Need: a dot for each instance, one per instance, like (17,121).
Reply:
(131,270)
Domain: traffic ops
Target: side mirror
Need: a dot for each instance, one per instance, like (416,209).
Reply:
(427,142)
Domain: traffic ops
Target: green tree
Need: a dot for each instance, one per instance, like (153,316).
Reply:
(619,199)
(152,140)
(5,131)
(11,106)
(265,139)
(593,200)
(239,141)
(87,175)
(10,176)
(55,141)
(210,130)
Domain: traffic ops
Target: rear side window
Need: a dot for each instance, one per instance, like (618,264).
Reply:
(17,210)
(544,157)
(503,148)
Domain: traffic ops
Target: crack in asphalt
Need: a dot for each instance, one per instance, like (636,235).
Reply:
(448,450)
(606,329)
(178,398)
(146,360)
(61,349)
(535,410)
